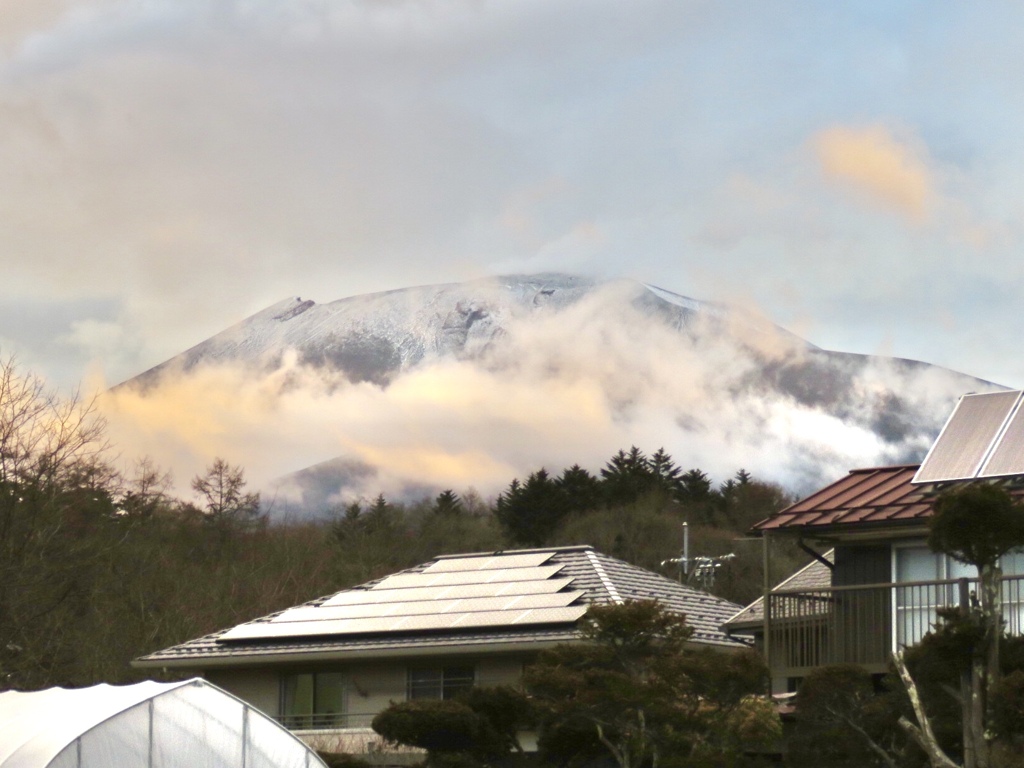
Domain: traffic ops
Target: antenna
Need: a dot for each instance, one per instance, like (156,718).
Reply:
(705,566)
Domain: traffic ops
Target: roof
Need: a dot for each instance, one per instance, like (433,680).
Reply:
(108,725)
(814,575)
(877,495)
(455,603)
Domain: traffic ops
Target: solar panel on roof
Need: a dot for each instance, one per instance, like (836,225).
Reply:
(408,594)
(545,586)
(477,620)
(488,562)
(969,436)
(494,618)
(422,607)
(1007,458)
(422,579)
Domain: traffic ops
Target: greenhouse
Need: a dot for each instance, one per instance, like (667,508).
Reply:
(190,724)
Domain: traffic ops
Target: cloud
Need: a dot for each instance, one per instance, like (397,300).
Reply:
(553,389)
(872,161)
(191,161)
(22,18)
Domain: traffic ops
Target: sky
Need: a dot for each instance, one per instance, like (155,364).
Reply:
(853,171)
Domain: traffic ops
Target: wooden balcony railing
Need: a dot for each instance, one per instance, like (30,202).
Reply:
(865,624)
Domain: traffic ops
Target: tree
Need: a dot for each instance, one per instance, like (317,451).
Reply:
(448,503)
(841,720)
(634,692)
(221,492)
(529,512)
(580,490)
(695,487)
(627,476)
(665,471)
(479,727)
(55,508)
(147,491)
(745,501)
(976,524)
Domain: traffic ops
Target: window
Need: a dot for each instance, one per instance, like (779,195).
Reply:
(439,682)
(314,700)
(1013,591)
(917,603)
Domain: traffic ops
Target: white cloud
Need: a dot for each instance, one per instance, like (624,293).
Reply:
(558,388)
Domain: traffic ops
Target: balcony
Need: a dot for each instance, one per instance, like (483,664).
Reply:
(864,625)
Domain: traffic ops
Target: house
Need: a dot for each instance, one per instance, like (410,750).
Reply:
(325,668)
(874,586)
(175,725)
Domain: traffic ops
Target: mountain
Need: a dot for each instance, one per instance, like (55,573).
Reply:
(478,382)
(377,336)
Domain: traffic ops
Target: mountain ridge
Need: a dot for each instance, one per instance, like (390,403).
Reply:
(471,369)
(461,311)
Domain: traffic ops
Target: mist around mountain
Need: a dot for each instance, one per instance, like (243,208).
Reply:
(470,384)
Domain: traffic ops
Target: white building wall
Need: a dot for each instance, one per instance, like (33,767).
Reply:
(259,687)
(373,685)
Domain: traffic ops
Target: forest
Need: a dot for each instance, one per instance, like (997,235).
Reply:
(100,564)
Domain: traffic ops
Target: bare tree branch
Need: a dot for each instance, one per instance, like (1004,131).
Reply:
(922,733)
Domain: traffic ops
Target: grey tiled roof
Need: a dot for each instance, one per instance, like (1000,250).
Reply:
(601,578)
(815,575)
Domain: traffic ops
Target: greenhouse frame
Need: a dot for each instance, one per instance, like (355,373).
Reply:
(188,724)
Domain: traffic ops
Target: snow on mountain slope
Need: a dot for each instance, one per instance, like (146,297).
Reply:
(373,337)
(474,383)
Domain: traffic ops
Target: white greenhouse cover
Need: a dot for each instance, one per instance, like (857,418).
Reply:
(191,724)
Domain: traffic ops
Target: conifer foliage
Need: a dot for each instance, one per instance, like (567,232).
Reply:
(636,693)
(531,512)
(632,692)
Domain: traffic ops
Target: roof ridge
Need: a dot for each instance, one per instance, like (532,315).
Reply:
(606,582)
(647,573)
(500,552)
(893,467)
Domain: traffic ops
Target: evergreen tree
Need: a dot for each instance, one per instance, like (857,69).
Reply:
(665,470)
(448,503)
(636,693)
(350,523)
(382,518)
(529,512)
(580,489)
(695,487)
(627,476)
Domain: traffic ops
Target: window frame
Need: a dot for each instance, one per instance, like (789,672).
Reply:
(318,690)
(438,682)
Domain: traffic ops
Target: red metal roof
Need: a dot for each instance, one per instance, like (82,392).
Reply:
(865,496)
(877,495)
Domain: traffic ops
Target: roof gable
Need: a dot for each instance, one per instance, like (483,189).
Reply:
(814,575)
